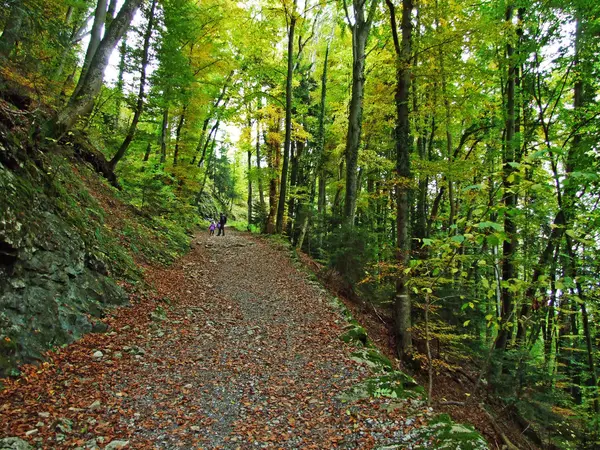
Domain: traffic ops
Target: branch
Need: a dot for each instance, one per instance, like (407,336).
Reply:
(394,26)
(347,15)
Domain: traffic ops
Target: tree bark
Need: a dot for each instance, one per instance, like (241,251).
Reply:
(510,201)
(12,29)
(260,181)
(249,172)
(178,135)
(141,92)
(288,120)
(148,150)
(81,103)
(211,135)
(163,135)
(95,38)
(402,304)
(360,34)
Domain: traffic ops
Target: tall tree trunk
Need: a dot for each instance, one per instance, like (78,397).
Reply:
(178,135)
(402,304)
(120,81)
(163,135)
(273,160)
(320,157)
(288,120)
(249,177)
(214,109)
(147,153)
(211,136)
(294,156)
(12,29)
(510,201)
(95,38)
(139,107)
(260,181)
(82,103)
(360,35)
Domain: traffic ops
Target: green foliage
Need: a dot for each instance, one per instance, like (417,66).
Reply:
(350,251)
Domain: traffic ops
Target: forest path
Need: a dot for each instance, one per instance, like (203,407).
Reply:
(245,353)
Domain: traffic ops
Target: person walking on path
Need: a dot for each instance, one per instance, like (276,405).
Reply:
(222,222)
(212,227)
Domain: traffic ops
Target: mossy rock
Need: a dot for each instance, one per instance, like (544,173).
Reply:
(443,433)
(395,385)
(374,359)
(355,334)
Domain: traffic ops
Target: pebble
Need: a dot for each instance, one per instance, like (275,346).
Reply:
(95,405)
(195,428)
(116,445)
(45,415)
(31,432)
(98,355)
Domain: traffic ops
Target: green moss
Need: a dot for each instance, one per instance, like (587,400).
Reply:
(394,385)
(374,359)
(355,334)
(443,433)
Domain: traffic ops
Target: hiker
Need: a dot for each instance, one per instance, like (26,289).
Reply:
(222,222)
(212,227)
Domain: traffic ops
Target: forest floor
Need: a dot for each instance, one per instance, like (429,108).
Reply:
(234,347)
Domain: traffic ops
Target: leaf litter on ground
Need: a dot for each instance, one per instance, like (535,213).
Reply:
(235,348)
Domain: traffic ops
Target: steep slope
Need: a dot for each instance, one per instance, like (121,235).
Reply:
(66,237)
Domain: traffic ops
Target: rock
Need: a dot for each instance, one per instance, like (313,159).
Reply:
(65,425)
(118,355)
(48,283)
(13,443)
(45,415)
(195,428)
(116,445)
(97,354)
(31,432)
(95,405)
(99,327)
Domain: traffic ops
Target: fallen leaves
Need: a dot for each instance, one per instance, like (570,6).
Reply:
(240,351)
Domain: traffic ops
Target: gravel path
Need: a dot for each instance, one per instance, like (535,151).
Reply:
(243,352)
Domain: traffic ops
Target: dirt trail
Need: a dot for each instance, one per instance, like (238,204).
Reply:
(243,353)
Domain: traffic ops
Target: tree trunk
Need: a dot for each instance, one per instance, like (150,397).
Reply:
(402,304)
(95,38)
(178,135)
(250,180)
(260,181)
(360,34)
(163,135)
(509,200)
(12,29)
(288,121)
(82,102)
(211,136)
(214,108)
(273,160)
(141,92)
(148,150)
(294,156)
(120,80)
